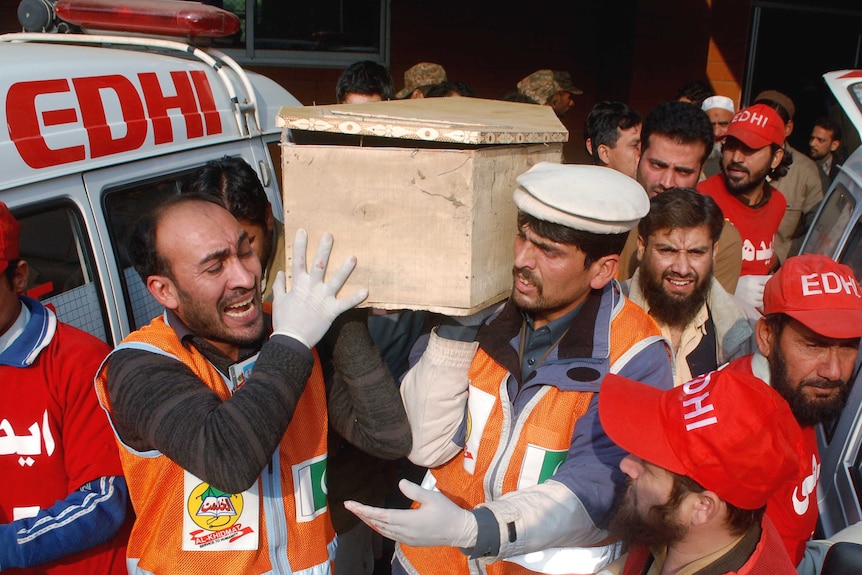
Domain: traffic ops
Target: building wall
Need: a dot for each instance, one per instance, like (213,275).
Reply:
(638,51)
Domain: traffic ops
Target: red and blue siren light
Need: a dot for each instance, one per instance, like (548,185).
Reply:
(158,17)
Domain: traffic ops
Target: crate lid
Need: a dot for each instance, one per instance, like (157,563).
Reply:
(458,120)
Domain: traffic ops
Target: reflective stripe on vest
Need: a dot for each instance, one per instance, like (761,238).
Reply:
(504,453)
(296,536)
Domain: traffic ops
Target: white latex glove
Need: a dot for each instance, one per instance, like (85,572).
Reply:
(309,308)
(437,521)
(750,290)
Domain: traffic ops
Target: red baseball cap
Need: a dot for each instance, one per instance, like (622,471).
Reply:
(757,127)
(726,430)
(10,230)
(818,292)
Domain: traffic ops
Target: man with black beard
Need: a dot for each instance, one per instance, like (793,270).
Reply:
(221,411)
(506,417)
(674,283)
(698,480)
(807,343)
(753,149)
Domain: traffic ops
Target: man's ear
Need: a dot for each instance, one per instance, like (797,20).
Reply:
(163,289)
(788,128)
(589,144)
(604,153)
(270,219)
(706,508)
(603,270)
(19,278)
(764,336)
(834,145)
(641,248)
(776,159)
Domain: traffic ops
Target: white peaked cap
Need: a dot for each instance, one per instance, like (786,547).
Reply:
(593,199)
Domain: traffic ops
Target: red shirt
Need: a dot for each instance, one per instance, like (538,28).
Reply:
(793,508)
(757,226)
(55,438)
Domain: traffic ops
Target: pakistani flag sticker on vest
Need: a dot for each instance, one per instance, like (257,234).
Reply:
(309,485)
(219,521)
(539,465)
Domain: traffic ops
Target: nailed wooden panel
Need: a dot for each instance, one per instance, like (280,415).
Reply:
(431,228)
(472,121)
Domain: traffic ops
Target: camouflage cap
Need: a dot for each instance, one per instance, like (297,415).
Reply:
(542,85)
(421,74)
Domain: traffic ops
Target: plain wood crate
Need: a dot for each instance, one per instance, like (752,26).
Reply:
(432,225)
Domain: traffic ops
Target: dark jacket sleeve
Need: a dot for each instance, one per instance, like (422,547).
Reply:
(87,517)
(364,405)
(159,404)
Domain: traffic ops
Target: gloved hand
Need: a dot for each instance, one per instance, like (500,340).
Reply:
(309,308)
(750,290)
(437,521)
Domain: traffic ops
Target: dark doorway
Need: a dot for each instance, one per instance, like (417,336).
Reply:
(792,44)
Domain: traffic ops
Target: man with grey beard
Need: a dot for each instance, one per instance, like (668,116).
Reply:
(674,283)
(807,341)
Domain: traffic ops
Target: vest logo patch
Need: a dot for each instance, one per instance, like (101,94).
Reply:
(479,406)
(539,465)
(218,521)
(309,488)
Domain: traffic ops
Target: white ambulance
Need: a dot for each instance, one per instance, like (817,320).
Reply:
(101,127)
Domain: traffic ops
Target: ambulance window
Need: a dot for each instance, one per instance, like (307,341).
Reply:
(831,222)
(123,205)
(852,255)
(56,247)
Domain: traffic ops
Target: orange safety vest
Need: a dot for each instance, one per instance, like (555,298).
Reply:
(523,452)
(295,533)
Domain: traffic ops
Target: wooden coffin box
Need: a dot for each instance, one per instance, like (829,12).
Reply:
(420,191)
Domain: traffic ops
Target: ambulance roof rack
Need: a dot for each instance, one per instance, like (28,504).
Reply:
(181,19)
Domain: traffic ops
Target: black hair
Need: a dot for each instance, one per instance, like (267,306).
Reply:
(782,111)
(365,77)
(604,123)
(235,185)
(682,208)
(517,97)
(142,240)
(695,91)
(445,89)
(594,246)
(829,124)
(680,122)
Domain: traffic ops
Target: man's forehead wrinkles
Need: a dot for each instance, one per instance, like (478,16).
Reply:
(224,252)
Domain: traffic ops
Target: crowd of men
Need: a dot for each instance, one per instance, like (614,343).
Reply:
(644,401)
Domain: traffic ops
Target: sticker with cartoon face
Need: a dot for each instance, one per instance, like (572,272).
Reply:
(217,521)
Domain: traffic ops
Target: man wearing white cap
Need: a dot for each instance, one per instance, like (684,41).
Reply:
(720,110)
(522,474)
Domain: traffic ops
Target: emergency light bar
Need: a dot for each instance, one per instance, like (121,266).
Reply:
(159,17)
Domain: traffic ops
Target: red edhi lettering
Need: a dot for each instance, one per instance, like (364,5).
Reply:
(194,99)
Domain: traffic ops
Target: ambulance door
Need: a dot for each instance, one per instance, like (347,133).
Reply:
(119,194)
(59,241)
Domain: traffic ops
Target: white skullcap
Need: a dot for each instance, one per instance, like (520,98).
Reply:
(722,102)
(593,199)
